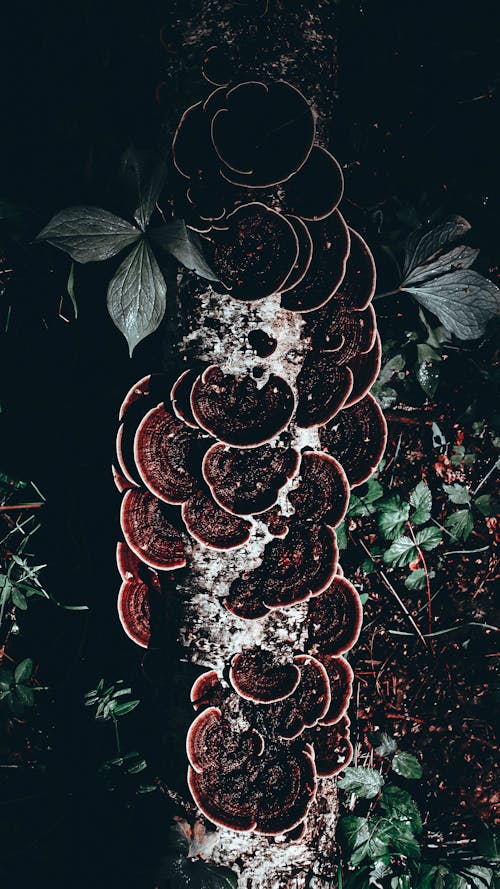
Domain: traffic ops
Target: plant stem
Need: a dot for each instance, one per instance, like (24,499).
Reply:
(387,293)
(427,581)
(117,734)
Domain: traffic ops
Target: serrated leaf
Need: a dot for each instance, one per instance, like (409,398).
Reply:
(457,493)
(362,504)
(407,765)
(137,295)
(428,538)
(416,580)
(24,670)
(392,516)
(487,504)
(386,745)
(460,524)
(459,258)
(464,301)
(355,835)
(398,802)
(176,238)
(421,247)
(363,782)
(378,872)
(147,171)
(89,234)
(401,552)
(421,500)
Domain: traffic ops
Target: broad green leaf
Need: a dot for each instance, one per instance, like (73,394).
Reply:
(428,373)
(416,580)
(355,837)
(24,670)
(222,877)
(460,524)
(89,234)
(25,695)
(464,302)
(147,172)
(407,765)
(137,295)
(176,238)
(421,247)
(487,504)
(362,781)
(428,538)
(401,552)
(18,598)
(126,707)
(394,365)
(438,439)
(478,876)
(421,500)
(398,803)
(457,493)
(459,258)
(392,516)
(386,745)
(362,504)
(378,872)
(6,678)
(341,534)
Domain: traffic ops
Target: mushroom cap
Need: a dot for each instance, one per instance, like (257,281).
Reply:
(180,397)
(287,789)
(263,134)
(365,368)
(304,255)
(148,533)
(213,526)
(338,329)
(308,703)
(122,484)
(360,279)
(163,451)
(316,189)
(134,611)
(217,67)
(340,677)
(331,243)
(207,691)
(237,411)
(324,387)
(323,491)
(333,750)
(247,482)
(256,675)
(357,437)
(334,618)
(256,252)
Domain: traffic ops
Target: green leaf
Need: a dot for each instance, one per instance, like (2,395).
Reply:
(398,803)
(363,782)
(464,302)
(421,500)
(487,504)
(341,534)
(438,439)
(24,670)
(407,765)
(428,373)
(420,247)
(362,504)
(6,678)
(355,837)
(457,493)
(25,695)
(428,538)
(147,171)
(392,516)
(89,234)
(459,258)
(378,872)
(222,877)
(386,745)
(126,707)
(394,365)
(185,245)
(18,598)
(137,295)
(460,524)
(457,455)
(402,552)
(417,580)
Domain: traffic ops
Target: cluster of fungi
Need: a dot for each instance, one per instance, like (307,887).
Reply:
(203,461)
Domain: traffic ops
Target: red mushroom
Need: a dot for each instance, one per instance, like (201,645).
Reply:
(246,482)
(180,397)
(287,789)
(338,329)
(207,691)
(237,411)
(357,438)
(256,675)
(365,368)
(134,611)
(163,451)
(340,677)
(323,492)
(148,533)
(358,285)
(316,190)
(333,750)
(211,525)
(334,618)
(304,256)
(122,484)
(308,704)
(217,68)
(324,387)
(331,242)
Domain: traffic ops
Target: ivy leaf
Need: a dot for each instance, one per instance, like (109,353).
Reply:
(147,171)
(137,295)
(185,245)
(458,258)
(421,500)
(401,553)
(89,234)
(407,765)
(464,301)
(24,670)
(398,803)
(428,538)
(355,835)
(417,579)
(392,516)
(363,782)
(421,247)
(457,493)
(460,524)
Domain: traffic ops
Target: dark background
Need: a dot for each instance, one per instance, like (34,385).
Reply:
(417,125)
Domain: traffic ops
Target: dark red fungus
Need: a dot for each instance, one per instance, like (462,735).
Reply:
(309,702)
(331,241)
(247,482)
(148,533)
(163,451)
(213,526)
(207,691)
(332,747)
(257,676)
(323,491)
(334,618)
(340,677)
(316,190)
(357,437)
(358,286)
(324,387)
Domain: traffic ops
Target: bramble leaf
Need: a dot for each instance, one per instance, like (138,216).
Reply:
(460,524)
(407,765)
(363,782)
(457,493)
(421,500)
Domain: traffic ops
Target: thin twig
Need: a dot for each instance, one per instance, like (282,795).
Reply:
(427,580)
